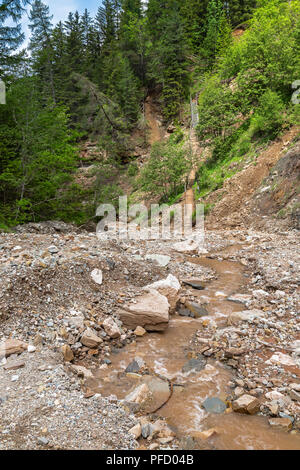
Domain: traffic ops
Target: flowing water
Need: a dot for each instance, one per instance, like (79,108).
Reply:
(167,352)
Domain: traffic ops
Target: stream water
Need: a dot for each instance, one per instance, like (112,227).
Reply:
(166,353)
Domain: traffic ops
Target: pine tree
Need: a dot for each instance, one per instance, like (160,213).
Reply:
(11,37)
(41,45)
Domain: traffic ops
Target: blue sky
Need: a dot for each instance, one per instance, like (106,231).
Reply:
(60,9)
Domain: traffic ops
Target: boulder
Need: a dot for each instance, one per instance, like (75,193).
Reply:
(111,328)
(168,287)
(246,404)
(151,393)
(90,339)
(214,405)
(151,311)
(12,346)
(281,423)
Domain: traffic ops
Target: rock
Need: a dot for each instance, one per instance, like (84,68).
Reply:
(239,391)
(53,249)
(162,260)
(295,395)
(196,310)
(150,394)
(188,246)
(12,346)
(214,405)
(194,284)
(154,446)
(139,331)
(97,276)
(31,348)
(67,353)
(81,371)
(282,359)
(14,365)
(247,315)
(90,339)
(295,386)
(161,430)
(111,328)
(135,366)
(146,430)
(151,311)
(194,365)
(239,298)
(43,441)
(203,435)
(168,287)
(136,431)
(246,404)
(281,423)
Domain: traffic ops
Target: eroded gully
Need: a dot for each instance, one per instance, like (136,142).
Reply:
(166,353)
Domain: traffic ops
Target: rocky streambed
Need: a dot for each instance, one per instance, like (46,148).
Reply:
(95,359)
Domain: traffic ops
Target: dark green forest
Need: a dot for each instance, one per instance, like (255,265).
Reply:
(88,79)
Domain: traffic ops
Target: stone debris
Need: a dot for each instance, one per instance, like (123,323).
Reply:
(168,287)
(90,339)
(12,346)
(246,404)
(151,311)
(139,331)
(111,328)
(97,276)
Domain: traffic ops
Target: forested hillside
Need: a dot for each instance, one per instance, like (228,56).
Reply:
(88,79)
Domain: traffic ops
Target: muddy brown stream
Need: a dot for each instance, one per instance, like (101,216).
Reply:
(166,353)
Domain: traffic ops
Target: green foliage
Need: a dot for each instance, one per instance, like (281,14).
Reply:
(167,170)
(44,158)
(268,117)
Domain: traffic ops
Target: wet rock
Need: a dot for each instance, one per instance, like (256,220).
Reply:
(97,276)
(162,260)
(111,328)
(203,435)
(139,331)
(90,339)
(168,287)
(196,310)
(150,394)
(194,365)
(151,311)
(12,346)
(67,353)
(281,423)
(194,284)
(135,366)
(246,404)
(214,405)
(161,430)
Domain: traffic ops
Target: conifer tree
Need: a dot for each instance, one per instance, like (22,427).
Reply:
(41,45)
